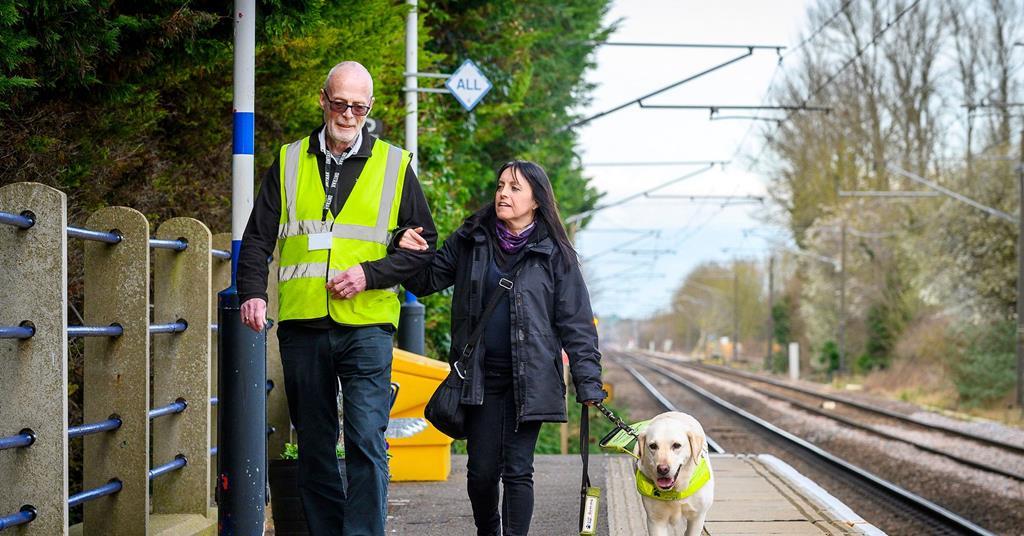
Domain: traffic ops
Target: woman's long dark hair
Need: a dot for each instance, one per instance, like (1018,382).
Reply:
(547,205)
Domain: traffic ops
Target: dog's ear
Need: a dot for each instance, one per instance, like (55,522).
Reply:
(638,449)
(696,445)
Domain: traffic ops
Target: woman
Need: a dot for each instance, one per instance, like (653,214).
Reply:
(514,380)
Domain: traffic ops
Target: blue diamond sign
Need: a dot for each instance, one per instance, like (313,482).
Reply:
(468,84)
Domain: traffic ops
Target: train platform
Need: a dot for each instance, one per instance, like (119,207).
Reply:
(754,494)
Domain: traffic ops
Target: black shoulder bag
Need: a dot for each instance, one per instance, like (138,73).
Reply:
(444,409)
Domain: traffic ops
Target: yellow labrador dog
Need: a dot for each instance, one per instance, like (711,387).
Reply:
(673,473)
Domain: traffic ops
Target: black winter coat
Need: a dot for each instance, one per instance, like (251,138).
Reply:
(549,308)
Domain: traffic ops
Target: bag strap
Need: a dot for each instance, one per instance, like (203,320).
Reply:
(504,284)
(585,456)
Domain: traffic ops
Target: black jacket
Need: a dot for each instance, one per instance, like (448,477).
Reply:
(260,237)
(550,310)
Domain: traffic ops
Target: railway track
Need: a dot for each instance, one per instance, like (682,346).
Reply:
(902,511)
(973,450)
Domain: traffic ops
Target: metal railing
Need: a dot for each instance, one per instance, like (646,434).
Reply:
(130,276)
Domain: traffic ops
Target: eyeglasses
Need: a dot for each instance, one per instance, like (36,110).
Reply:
(341,106)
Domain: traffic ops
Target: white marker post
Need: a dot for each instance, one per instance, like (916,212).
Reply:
(794,361)
(411,84)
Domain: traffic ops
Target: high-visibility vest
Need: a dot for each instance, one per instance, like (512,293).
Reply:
(359,233)
(701,475)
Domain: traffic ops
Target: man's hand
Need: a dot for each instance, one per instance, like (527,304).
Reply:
(412,240)
(348,283)
(254,314)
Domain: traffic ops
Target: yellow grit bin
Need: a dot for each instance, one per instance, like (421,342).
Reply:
(425,455)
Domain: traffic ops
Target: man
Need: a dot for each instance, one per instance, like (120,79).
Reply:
(331,202)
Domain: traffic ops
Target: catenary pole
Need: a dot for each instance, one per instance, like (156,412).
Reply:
(842,300)
(1020,244)
(1020,276)
(242,406)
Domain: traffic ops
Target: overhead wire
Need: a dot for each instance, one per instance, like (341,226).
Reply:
(779,122)
(577,217)
(831,78)
(815,33)
(778,67)
(767,92)
(739,146)
(764,98)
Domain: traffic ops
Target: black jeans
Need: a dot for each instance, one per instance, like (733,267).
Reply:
(498,450)
(314,360)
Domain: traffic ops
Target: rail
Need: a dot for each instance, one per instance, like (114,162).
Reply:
(941,518)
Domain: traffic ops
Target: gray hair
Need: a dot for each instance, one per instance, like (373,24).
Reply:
(346,65)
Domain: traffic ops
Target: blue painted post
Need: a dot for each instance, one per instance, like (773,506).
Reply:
(242,411)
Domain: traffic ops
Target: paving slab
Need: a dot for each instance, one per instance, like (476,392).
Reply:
(442,508)
(754,494)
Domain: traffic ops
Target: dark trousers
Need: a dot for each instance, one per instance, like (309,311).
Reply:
(314,360)
(496,450)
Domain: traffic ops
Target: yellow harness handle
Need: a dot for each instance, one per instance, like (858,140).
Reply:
(622,440)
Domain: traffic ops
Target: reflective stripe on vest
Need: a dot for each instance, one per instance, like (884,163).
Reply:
(377,233)
(313,269)
(701,475)
(360,232)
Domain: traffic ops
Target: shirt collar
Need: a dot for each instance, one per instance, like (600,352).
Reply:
(338,159)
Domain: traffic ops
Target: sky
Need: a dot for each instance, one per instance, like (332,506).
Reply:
(631,272)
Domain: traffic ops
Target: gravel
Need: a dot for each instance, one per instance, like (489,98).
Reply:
(995,502)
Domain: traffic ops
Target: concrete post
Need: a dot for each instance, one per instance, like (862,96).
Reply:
(33,384)
(181,367)
(117,372)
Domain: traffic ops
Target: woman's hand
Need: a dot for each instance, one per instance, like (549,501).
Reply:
(412,240)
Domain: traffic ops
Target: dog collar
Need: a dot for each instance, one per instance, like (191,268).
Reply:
(646,487)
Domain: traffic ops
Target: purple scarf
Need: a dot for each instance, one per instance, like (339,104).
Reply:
(509,242)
